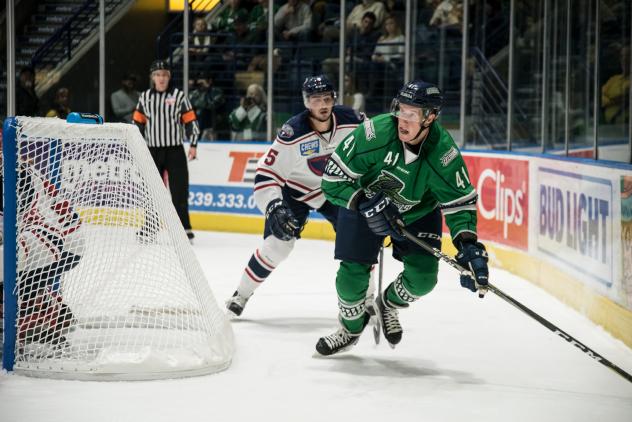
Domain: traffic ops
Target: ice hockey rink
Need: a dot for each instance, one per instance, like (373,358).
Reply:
(461,358)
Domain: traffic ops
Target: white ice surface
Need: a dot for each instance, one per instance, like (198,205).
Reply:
(461,359)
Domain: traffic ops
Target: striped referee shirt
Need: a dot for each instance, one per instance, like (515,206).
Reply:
(165,117)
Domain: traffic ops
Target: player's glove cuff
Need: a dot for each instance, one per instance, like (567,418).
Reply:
(382,216)
(281,220)
(473,257)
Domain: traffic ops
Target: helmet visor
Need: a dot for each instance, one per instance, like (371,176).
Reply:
(408,112)
(319,99)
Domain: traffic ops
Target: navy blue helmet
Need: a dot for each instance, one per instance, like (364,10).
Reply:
(317,85)
(419,94)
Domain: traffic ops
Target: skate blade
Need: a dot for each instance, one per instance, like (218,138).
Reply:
(377,330)
(231,315)
(392,345)
(343,350)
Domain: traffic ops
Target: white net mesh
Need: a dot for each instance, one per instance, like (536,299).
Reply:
(108,285)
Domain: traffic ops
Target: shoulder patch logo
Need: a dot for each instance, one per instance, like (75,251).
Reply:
(309,148)
(369,130)
(449,156)
(286,131)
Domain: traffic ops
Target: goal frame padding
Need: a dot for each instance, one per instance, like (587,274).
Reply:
(9,152)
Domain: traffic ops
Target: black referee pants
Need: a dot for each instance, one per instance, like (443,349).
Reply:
(173,160)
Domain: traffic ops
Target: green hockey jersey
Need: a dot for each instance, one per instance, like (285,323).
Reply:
(373,159)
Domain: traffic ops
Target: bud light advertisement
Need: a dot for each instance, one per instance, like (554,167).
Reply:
(575,221)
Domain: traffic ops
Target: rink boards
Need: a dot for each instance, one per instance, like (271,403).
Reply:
(565,225)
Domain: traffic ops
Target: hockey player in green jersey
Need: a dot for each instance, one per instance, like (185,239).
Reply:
(399,169)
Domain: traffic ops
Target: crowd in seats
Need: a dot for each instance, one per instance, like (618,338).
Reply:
(231,46)
(228,55)
(28,104)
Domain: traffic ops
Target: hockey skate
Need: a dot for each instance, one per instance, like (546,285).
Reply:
(388,317)
(370,306)
(236,304)
(339,341)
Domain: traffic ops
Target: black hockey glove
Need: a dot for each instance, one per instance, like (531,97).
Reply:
(473,257)
(382,216)
(282,221)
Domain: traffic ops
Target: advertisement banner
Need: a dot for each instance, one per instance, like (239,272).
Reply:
(575,220)
(502,184)
(626,239)
(222,178)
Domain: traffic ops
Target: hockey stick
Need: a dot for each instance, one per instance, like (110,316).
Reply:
(377,328)
(513,302)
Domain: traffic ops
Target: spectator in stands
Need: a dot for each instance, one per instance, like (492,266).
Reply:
(362,43)
(200,42)
(293,21)
(243,37)
(260,62)
(248,121)
(209,104)
(354,20)
(326,20)
(353,98)
(615,93)
(395,6)
(258,18)
(124,100)
(447,14)
(60,106)
(388,57)
(224,22)
(26,101)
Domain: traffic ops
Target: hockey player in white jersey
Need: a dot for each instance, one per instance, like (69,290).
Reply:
(287,181)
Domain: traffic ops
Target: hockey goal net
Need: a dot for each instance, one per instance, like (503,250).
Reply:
(100,279)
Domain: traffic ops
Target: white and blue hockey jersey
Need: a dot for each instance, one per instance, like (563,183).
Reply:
(296,160)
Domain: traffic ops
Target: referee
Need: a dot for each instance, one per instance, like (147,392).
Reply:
(164,116)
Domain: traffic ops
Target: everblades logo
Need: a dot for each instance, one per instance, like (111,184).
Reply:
(392,187)
(449,156)
(333,169)
(309,147)
(369,130)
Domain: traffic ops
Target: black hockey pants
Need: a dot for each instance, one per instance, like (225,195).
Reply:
(173,160)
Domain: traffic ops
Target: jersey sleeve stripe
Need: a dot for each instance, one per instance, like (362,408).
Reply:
(260,178)
(464,231)
(276,176)
(259,187)
(462,200)
(295,185)
(453,210)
